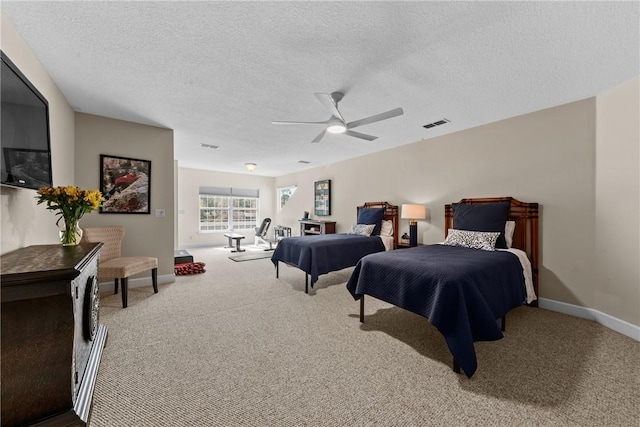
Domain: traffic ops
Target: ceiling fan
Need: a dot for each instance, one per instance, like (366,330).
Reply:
(337,124)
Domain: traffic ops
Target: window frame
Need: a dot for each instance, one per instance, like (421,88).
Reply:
(230,210)
(279,192)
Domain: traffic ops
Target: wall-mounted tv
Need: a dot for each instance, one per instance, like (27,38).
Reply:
(24,131)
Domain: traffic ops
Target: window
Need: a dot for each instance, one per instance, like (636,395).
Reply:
(284,193)
(244,212)
(223,209)
(214,212)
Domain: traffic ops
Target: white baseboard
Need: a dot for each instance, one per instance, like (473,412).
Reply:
(618,325)
(108,286)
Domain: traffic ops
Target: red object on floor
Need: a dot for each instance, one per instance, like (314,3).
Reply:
(189,268)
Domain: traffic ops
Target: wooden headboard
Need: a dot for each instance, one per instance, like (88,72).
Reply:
(390,214)
(525,236)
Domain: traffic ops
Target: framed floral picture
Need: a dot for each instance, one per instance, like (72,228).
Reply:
(125,184)
(322,197)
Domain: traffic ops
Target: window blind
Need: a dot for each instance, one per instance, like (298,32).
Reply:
(230,192)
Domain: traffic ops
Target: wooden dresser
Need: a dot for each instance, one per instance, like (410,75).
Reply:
(309,226)
(52,341)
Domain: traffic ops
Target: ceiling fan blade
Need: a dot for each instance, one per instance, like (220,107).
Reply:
(319,137)
(378,117)
(300,123)
(360,135)
(328,102)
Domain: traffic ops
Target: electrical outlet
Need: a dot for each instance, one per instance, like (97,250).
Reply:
(159,213)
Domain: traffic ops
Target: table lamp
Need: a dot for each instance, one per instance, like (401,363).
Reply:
(413,213)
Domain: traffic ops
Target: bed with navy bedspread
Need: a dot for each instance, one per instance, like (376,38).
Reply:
(324,253)
(487,266)
(461,291)
(321,254)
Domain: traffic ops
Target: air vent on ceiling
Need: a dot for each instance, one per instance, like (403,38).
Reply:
(304,162)
(213,147)
(434,124)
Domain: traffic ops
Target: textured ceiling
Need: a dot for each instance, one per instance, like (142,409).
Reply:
(220,72)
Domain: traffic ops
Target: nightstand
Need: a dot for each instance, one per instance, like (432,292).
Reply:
(406,245)
(310,226)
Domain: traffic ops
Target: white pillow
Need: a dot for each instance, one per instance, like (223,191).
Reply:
(362,229)
(509,228)
(386,229)
(484,240)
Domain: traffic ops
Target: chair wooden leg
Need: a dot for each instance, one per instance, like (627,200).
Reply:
(154,279)
(125,291)
(116,286)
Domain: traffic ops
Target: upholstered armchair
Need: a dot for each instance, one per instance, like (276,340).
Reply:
(112,265)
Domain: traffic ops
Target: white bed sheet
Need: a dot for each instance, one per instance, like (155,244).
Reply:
(388,242)
(526,270)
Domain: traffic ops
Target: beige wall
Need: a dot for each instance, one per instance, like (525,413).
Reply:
(146,235)
(547,157)
(189,182)
(23,223)
(617,221)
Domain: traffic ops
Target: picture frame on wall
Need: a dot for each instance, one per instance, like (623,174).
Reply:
(125,184)
(322,197)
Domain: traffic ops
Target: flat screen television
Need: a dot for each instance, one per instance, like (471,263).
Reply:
(24,131)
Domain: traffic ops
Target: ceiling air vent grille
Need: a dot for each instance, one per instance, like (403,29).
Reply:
(213,147)
(304,162)
(434,124)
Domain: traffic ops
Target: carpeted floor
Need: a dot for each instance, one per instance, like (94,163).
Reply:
(237,347)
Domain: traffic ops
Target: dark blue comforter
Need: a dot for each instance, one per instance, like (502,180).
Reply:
(461,291)
(322,254)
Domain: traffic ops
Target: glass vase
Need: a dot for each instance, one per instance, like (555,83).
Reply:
(70,233)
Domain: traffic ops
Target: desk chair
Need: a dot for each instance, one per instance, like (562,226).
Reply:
(114,266)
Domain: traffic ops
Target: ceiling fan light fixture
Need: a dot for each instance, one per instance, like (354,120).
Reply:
(336,126)
(250,166)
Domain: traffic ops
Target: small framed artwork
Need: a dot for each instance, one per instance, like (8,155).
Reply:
(322,197)
(125,184)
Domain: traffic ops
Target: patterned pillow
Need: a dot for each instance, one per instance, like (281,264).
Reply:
(472,239)
(362,229)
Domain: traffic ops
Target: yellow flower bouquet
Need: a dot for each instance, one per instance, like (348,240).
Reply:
(71,203)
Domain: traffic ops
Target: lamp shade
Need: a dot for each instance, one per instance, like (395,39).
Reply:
(250,166)
(413,212)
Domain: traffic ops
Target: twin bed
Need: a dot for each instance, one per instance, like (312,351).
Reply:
(322,254)
(462,289)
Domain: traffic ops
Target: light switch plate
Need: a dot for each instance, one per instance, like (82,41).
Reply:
(159,213)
